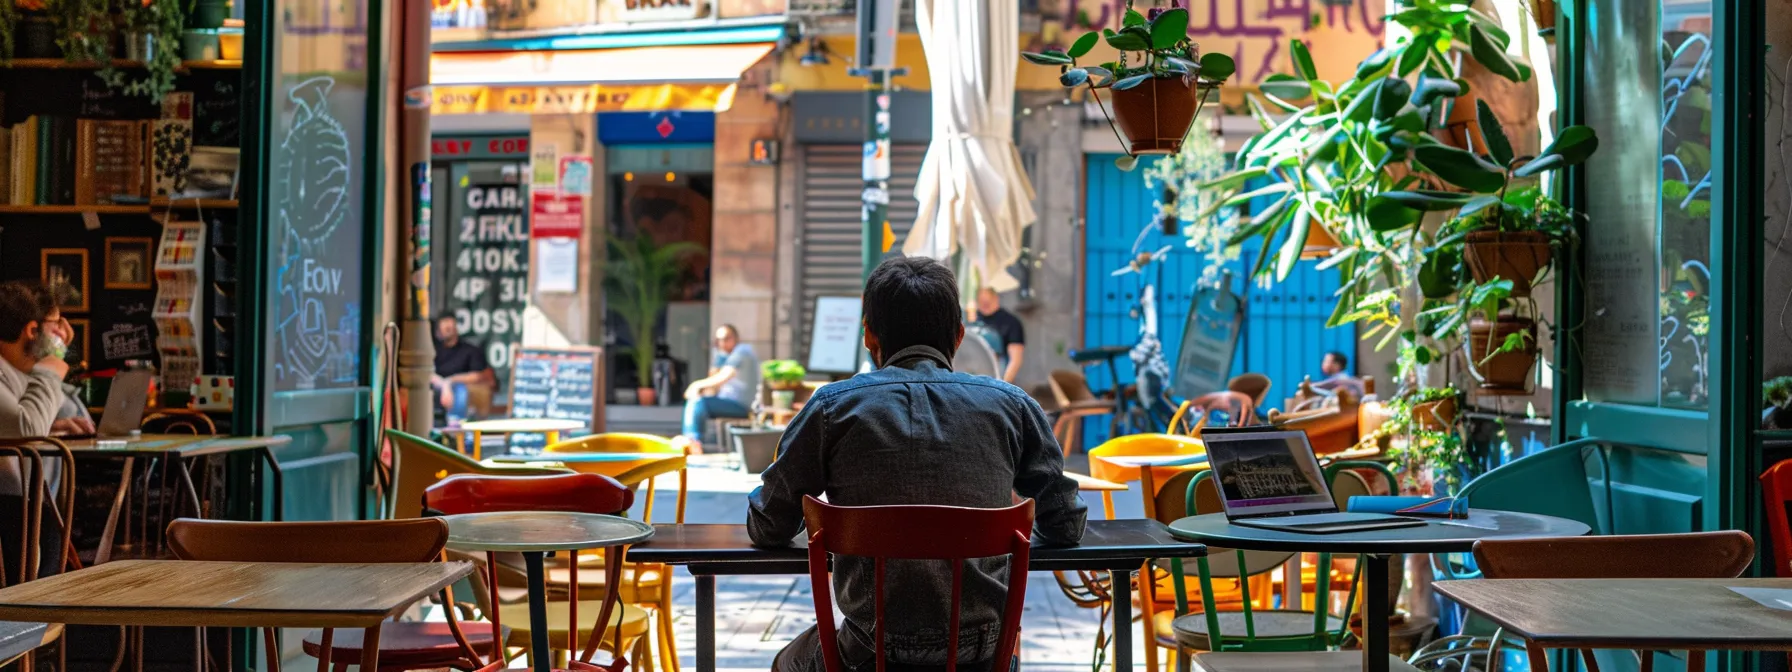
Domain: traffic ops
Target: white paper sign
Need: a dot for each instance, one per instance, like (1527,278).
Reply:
(834,340)
(556,264)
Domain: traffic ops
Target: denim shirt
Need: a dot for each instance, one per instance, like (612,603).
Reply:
(915,432)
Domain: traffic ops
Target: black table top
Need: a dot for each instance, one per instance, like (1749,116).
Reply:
(725,549)
(1437,536)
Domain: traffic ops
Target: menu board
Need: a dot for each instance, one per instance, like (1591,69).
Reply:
(1204,364)
(834,343)
(558,384)
(489,273)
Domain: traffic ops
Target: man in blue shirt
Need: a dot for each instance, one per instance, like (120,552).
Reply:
(729,389)
(915,432)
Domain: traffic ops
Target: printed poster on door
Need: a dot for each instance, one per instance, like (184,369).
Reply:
(491,272)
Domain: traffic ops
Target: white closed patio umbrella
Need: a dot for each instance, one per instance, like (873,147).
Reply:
(975,198)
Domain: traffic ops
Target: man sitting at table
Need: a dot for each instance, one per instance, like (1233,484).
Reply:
(33,340)
(915,432)
(459,366)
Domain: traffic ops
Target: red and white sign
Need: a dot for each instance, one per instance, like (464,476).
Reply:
(556,215)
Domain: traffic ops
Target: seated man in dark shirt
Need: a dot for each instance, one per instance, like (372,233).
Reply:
(459,364)
(914,432)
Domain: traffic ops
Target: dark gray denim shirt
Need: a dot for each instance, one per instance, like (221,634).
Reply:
(915,432)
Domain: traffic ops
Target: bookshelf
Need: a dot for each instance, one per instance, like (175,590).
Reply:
(74,209)
(193,204)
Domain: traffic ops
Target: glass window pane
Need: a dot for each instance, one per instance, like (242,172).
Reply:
(1686,188)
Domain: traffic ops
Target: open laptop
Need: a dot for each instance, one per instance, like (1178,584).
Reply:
(125,403)
(1268,477)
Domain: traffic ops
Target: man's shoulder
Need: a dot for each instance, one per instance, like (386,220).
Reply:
(867,384)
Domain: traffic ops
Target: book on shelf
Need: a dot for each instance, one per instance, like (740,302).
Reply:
(110,161)
(24,162)
(59,160)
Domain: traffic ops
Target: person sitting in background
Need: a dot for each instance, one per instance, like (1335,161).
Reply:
(33,340)
(1336,368)
(915,432)
(1007,327)
(458,365)
(728,390)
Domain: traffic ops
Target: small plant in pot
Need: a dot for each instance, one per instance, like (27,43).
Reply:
(785,377)
(1776,398)
(152,34)
(1159,81)
(1433,409)
(640,277)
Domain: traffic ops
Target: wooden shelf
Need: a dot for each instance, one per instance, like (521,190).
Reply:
(65,64)
(193,204)
(74,209)
(234,64)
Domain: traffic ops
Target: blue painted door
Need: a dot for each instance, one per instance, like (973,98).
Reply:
(1284,334)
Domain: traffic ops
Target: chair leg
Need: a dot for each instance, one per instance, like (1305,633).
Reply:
(1586,656)
(1107,503)
(1538,657)
(1695,661)
(669,649)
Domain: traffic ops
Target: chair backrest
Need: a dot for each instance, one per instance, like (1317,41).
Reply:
(1240,408)
(484,493)
(1776,488)
(1253,385)
(178,421)
(1550,482)
(418,463)
(336,542)
(1696,555)
(1203,497)
(1070,387)
(614,442)
(948,533)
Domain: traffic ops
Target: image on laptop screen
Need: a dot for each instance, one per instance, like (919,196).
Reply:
(1271,471)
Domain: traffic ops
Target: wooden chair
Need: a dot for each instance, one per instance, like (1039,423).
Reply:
(1776,489)
(403,645)
(948,533)
(23,558)
(1253,385)
(178,421)
(418,463)
(1075,402)
(1697,555)
(578,493)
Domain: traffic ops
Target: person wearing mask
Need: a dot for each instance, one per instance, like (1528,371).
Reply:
(1336,367)
(33,340)
(1007,327)
(458,364)
(880,438)
(728,390)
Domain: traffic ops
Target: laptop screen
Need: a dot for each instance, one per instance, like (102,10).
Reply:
(1266,470)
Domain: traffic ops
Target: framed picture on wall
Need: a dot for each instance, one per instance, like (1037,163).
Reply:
(77,346)
(128,263)
(67,267)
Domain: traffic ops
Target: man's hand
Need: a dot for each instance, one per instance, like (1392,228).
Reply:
(694,391)
(447,398)
(72,426)
(56,365)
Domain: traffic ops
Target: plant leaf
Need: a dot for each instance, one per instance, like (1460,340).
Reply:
(1169,27)
(1052,57)
(1233,180)
(1372,67)
(1476,204)
(1411,57)
(1574,144)
(1389,98)
(1363,105)
(1493,135)
(1437,276)
(1428,201)
(1217,67)
(1182,65)
(1389,214)
(1083,44)
(1460,168)
(1431,89)
(1303,60)
(1126,163)
(1132,18)
(1129,42)
(1099,77)
(1491,55)
(1130,82)
(1539,165)
(1074,77)
(1286,87)
(1294,244)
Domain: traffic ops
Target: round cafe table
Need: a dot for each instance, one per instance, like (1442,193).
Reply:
(550,427)
(534,534)
(1436,536)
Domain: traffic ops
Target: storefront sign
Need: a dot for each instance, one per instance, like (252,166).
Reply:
(584,99)
(491,272)
(663,10)
(480,147)
(557,215)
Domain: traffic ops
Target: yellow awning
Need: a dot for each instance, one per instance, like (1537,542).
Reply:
(698,77)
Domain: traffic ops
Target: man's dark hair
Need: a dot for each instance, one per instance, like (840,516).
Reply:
(446,316)
(730,329)
(23,302)
(1343,362)
(913,301)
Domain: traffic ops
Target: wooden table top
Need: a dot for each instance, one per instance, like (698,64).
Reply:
(522,426)
(228,594)
(541,531)
(1698,614)
(185,444)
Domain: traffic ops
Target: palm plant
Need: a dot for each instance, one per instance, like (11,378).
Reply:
(641,276)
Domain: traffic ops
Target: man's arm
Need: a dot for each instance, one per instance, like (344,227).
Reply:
(1016,352)
(34,411)
(1058,512)
(775,509)
(714,381)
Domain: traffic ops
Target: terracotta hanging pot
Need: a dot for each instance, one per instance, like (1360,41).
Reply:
(1544,13)
(1434,416)
(1507,372)
(1155,116)
(1320,242)
(1518,256)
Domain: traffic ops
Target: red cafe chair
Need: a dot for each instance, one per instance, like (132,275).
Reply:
(575,493)
(949,533)
(1776,488)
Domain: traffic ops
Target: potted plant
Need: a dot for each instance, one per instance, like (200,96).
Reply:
(1433,409)
(1776,397)
(640,276)
(152,36)
(1159,81)
(26,31)
(785,377)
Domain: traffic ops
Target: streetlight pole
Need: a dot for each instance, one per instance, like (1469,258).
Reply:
(416,350)
(876,61)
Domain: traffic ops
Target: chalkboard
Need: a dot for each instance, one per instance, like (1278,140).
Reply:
(558,384)
(489,272)
(1204,364)
(834,342)
(217,107)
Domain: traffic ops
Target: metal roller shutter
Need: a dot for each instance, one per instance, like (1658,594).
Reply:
(828,242)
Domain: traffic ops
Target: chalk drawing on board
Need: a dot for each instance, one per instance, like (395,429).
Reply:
(316,319)
(314,171)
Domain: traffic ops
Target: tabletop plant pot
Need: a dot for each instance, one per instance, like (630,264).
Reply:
(756,446)
(1434,416)
(1518,256)
(1504,372)
(783,398)
(647,396)
(1155,116)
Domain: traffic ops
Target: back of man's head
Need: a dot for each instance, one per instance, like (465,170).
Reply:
(913,301)
(21,303)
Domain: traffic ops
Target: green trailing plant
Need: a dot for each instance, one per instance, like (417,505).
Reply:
(1150,46)
(85,29)
(641,276)
(161,22)
(1442,451)
(782,373)
(1183,205)
(1777,392)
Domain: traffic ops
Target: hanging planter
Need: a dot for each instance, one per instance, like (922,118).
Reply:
(1518,256)
(1320,242)
(1159,82)
(1503,363)
(1544,13)
(1435,416)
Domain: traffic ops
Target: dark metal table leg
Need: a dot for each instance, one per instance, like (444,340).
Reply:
(538,612)
(1122,592)
(1376,612)
(706,623)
